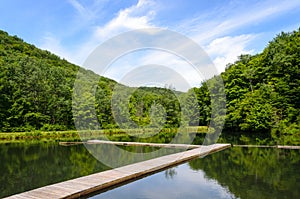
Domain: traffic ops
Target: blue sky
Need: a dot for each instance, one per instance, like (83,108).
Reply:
(224,29)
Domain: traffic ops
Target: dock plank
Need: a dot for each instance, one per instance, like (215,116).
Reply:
(184,146)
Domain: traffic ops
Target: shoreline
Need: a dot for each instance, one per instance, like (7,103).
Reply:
(79,135)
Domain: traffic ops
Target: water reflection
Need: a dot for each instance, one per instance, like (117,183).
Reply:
(118,156)
(254,172)
(170,173)
(28,166)
(233,173)
(185,184)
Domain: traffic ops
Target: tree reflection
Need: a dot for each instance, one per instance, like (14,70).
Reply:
(254,172)
(28,166)
(170,173)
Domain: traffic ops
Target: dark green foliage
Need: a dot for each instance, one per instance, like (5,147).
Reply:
(37,93)
(263,91)
(35,87)
(262,94)
(126,107)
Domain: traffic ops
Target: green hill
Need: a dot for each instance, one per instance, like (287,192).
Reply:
(262,94)
(263,91)
(35,87)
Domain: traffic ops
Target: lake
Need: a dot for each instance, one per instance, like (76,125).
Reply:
(26,166)
(232,173)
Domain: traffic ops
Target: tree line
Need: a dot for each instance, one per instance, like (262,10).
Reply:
(262,93)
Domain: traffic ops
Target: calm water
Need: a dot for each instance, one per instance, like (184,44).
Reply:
(233,173)
(27,166)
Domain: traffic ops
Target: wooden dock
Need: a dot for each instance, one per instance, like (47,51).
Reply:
(179,146)
(268,146)
(83,186)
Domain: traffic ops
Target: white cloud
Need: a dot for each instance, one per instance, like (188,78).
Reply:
(89,12)
(225,50)
(131,18)
(80,9)
(135,17)
(219,23)
(52,44)
(211,30)
(170,70)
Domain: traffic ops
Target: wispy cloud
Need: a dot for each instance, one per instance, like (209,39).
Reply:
(89,12)
(170,70)
(53,44)
(135,17)
(221,22)
(226,49)
(213,33)
(221,32)
(80,9)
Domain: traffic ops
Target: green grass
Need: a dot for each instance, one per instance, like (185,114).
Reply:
(38,136)
(88,134)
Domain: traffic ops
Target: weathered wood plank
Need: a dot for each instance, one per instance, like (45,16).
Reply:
(257,146)
(268,146)
(288,147)
(184,146)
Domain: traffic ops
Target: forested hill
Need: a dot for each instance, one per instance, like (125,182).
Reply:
(35,87)
(36,90)
(263,91)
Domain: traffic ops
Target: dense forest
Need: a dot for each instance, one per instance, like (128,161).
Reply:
(37,88)
(262,93)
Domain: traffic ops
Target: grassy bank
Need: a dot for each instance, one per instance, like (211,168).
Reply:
(148,135)
(90,134)
(38,136)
